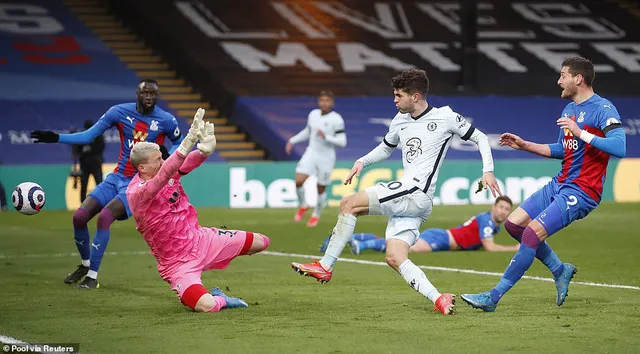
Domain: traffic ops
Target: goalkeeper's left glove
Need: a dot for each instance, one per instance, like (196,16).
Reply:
(45,136)
(207,137)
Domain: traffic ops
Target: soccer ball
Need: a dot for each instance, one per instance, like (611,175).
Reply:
(28,198)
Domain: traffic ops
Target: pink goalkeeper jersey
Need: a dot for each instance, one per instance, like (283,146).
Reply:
(163,214)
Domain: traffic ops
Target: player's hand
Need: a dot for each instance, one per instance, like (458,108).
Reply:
(321,134)
(489,180)
(192,135)
(288,148)
(207,137)
(568,123)
(45,136)
(512,140)
(355,171)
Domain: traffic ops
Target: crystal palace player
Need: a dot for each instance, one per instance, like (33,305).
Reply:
(475,234)
(169,223)
(590,131)
(137,121)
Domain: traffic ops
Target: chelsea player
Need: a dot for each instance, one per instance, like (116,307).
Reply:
(590,132)
(136,122)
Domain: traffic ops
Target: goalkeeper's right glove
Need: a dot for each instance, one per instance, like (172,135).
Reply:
(192,136)
(45,136)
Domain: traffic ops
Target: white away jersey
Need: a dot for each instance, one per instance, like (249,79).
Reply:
(330,123)
(424,141)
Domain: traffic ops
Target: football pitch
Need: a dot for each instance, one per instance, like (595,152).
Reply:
(366,308)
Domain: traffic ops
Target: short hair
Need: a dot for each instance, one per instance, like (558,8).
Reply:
(582,66)
(503,198)
(326,94)
(411,81)
(140,152)
(148,81)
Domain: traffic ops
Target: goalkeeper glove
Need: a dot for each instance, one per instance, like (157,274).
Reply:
(207,137)
(45,136)
(192,136)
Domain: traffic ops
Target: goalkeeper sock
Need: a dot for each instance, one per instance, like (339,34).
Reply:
(341,234)
(417,280)
(81,234)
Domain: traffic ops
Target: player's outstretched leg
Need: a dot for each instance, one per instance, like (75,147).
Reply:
(89,208)
(562,272)
(197,298)
(375,243)
(397,257)
(532,237)
(350,207)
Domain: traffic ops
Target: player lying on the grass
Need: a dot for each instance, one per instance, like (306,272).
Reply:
(590,132)
(137,121)
(424,133)
(476,233)
(169,223)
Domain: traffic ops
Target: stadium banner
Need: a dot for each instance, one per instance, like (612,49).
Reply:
(271,185)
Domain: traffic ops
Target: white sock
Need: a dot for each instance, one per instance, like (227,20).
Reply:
(341,234)
(322,202)
(301,199)
(416,278)
(86,263)
(92,274)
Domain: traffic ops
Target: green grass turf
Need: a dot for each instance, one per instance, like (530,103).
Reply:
(364,309)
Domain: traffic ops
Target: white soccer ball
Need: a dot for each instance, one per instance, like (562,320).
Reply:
(28,198)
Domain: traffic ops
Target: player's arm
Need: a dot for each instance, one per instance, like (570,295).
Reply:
(613,143)
(489,245)
(461,127)
(173,132)
(171,166)
(339,137)
(206,147)
(85,137)
(554,151)
(379,153)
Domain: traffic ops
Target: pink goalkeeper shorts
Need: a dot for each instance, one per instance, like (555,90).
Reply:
(217,249)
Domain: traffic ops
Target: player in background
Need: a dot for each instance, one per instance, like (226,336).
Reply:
(169,223)
(136,122)
(424,133)
(325,132)
(590,132)
(476,233)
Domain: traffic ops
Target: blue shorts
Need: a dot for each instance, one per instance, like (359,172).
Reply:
(114,186)
(556,206)
(438,239)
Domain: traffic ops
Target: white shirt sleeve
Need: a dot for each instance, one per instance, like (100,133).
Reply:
(338,137)
(386,147)
(303,135)
(459,126)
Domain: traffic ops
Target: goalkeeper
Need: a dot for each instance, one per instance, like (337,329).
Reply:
(169,223)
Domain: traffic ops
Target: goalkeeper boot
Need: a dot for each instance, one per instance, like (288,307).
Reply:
(232,302)
(76,275)
(314,270)
(562,282)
